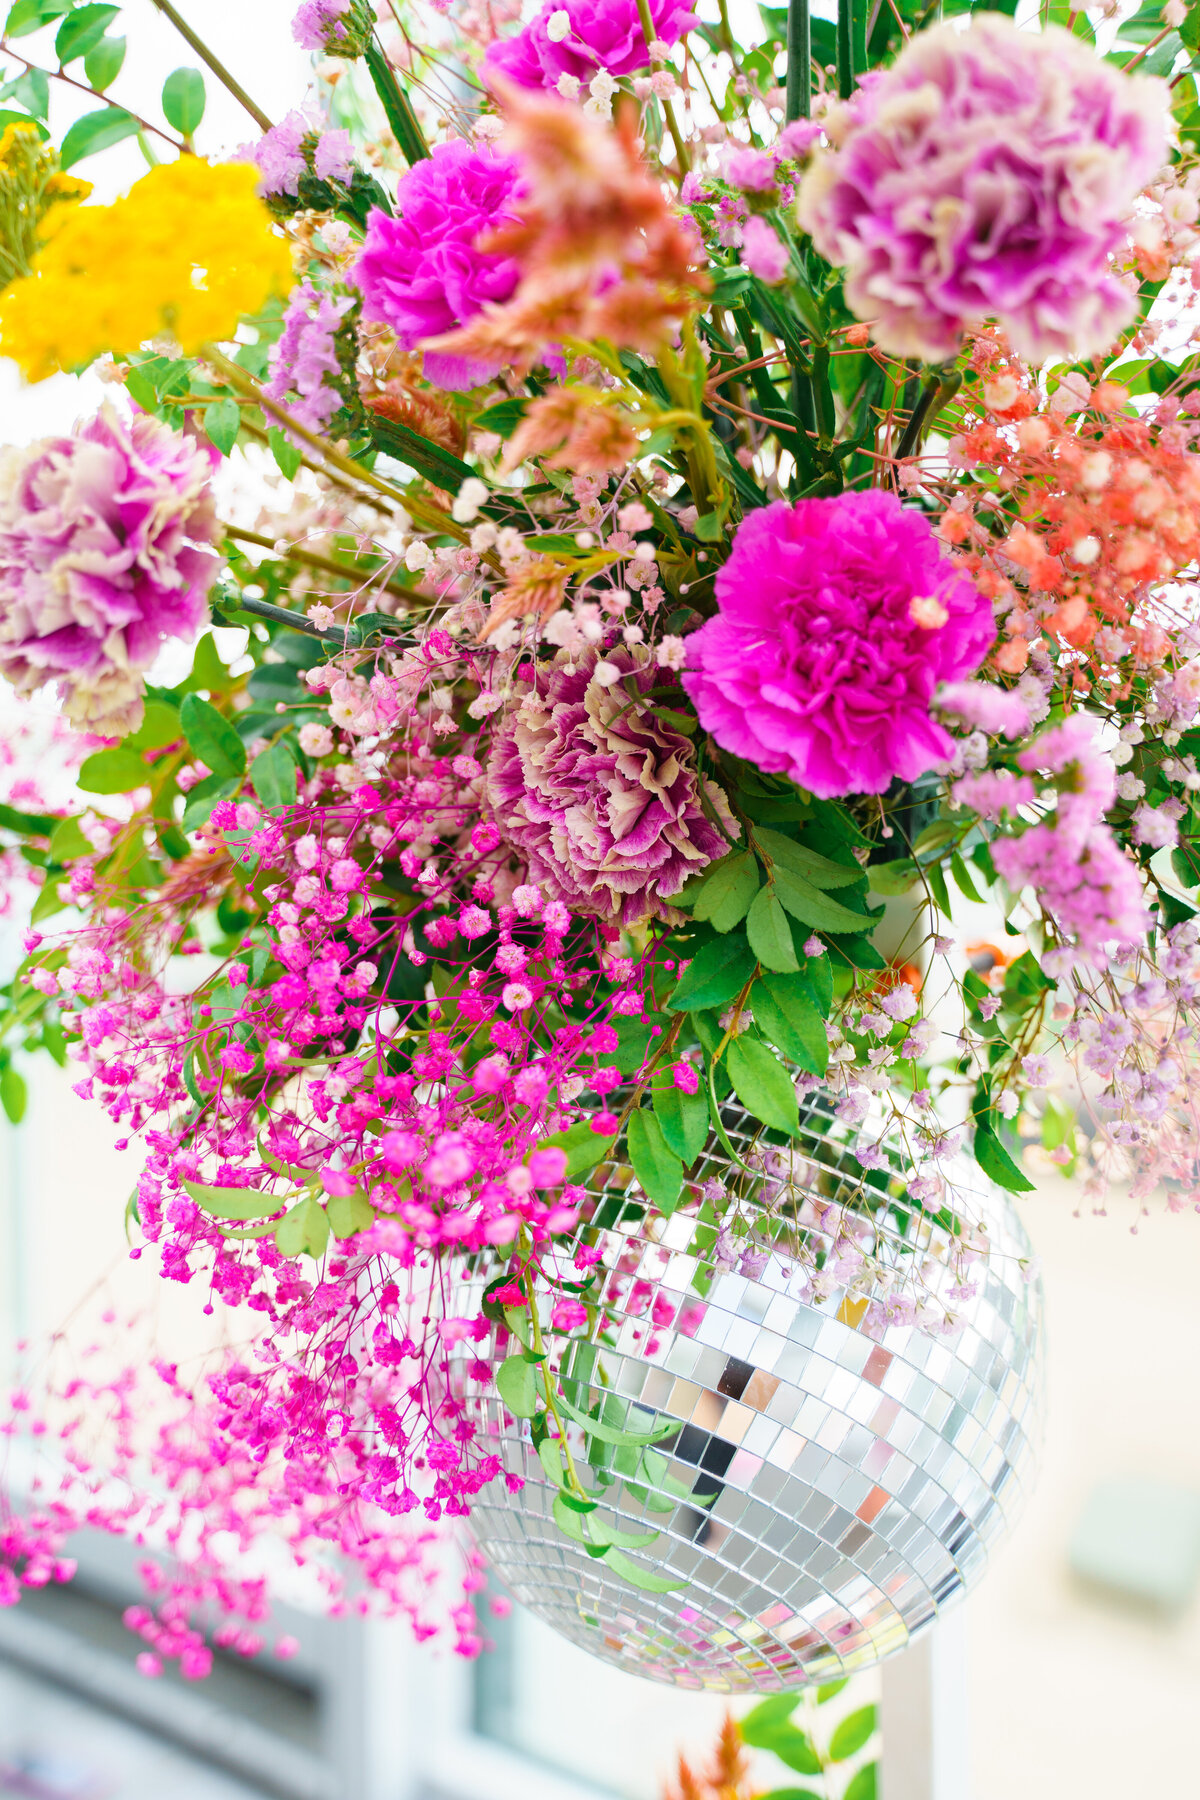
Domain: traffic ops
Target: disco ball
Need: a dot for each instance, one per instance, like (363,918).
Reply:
(832,1479)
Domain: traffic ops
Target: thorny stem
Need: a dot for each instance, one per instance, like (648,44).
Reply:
(218,68)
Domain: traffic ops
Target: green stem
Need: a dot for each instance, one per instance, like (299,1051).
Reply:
(845,63)
(939,387)
(799,61)
(218,68)
(403,120)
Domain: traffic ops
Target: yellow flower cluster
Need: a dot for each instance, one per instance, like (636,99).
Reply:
(186,252)
(31,184)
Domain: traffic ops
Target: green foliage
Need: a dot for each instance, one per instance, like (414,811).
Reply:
(94,132)
(81,31)
(786,1012)
(683,1118)
(104,62)
(516,1384)
(723,894)
(212,738)
(769,934)
(222,422)
(183,100)
(583,1147)
(658,1168)
(112,772)
(716,974)
(762,1084)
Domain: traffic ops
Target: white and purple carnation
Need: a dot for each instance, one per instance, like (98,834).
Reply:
(988,174)
(106,550)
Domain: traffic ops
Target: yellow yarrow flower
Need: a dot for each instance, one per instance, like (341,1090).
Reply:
(186,252)
(31,185)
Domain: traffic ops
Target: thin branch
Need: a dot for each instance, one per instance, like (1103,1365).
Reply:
(218,68)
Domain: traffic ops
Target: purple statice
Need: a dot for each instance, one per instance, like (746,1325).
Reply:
(286,152)
(106,550)
(837,620)
(304,362)
(426,271)
(988,174)
(597,795)
(581,37)
(334,27)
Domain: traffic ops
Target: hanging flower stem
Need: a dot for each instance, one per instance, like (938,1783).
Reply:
(215,64)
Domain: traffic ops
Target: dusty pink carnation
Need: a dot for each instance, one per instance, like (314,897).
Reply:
(106,550)
(817,665)
(423,273)
(987,174)
(604,34)
(599,797)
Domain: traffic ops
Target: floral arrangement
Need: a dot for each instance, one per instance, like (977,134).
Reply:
(662,524)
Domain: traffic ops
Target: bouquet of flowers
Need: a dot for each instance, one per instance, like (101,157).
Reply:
(664,525)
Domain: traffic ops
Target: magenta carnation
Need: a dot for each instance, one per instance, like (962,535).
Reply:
(423,273)
(603,34)
(838,618)
(597,795)
(105,551)
(987,175)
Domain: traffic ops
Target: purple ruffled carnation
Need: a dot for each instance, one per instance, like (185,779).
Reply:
(987,175)
(838,618)
(106,550)
(304,361)
(599,797)
(603,34)
(423,272)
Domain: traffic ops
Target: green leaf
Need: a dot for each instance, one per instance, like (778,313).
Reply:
(962,879)
(503,418)
(814,908)
(727,891)
(769,933)
(212,738)
(830,1691)
(67,842)
(183,100)
(995,1161)
(865,1784)
(611,1434)
(288,454)
(551,1458)
(273,778)
(586,1529)
(584,1148)
(159,727)
(408,446)
(94,132)
(851,1734)
(30,15)
(25,823)
(785,1011)
(14,1094)
(82,30)
(304,1230)
(236,1203)
(204,796)
(348,1214)
(104,62)
(807,865)
(893,877)
(716,975)
(222,423)
(638,1577)
(516,1384)
(46,904)
(762,1084)
(767,1716)
(112,772)
(657,1167)
(682,1117)
(789,1744)
(10,116)
(30,90)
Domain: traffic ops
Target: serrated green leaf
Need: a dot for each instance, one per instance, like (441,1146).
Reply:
(14,1094)
(769,934)
(212,738)
(814,908)
(348,1214)
(222,422)
(942,831)
(893,877)
(683,1117)
(727,891)
(716,975)
(183,100)
(995,1161)
(851,1733)
(82,30)
(236,1203)
(516,1384)
(807,865)
(638,1577)
(656,1165)
(785,1011)
(104,62)
(288,454)
(95,132)
(273,778)
(305,1230)
(583,1147)
(762,1084)
(112,772)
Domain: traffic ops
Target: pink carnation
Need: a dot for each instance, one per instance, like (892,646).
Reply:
(106,550)
(762,252)
(988,174)
(597,795)
(424,273)
(838,618)
(604,34)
